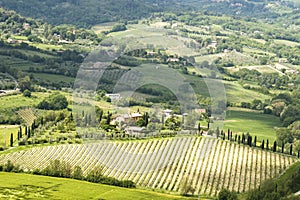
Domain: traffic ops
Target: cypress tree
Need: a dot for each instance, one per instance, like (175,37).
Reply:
(263,145)
(267,146)
(298,154)
(26,130)
(18,135)
(230,135)
(11,140)
(218,132)
(33,125)
(243,138)
(235,139)
(21,135)
(291,149)
(250,141)
(199,127)
(239,139)
(28,133)
(255,140)
(282,148)
(20,129)
(274,146)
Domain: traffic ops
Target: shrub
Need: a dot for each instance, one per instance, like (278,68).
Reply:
(27,93)
(9,166)
(227,195)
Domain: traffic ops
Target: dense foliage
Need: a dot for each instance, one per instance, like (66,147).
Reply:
(281,188)
(91,12)
(55,101)
(58,168)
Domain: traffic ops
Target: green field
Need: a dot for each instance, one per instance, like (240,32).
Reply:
(256,123)
(25,186)
(5,131)
(237,94)
(53,78)
(12,102)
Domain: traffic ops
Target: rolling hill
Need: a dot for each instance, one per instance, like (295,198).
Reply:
(91,12)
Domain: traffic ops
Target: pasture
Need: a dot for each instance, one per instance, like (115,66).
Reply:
(257,124)
(5,132)
(26,186)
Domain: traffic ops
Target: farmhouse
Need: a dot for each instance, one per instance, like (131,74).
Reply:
(113,97)
(167,112)
(125,118)
(200,111)
(173,60)
(136,116)
(134,130)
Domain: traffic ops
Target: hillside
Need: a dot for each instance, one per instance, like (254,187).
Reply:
(91,12)
(208,165)
(81,13)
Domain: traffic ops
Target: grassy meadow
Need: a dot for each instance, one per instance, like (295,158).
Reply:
(25,186)
(257,124)
(5,131)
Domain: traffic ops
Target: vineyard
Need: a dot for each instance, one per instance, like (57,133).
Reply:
(27,115)
(208,164)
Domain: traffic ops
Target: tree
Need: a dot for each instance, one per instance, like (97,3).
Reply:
(186,187)
(25,84)
(172,123)
(118,27)
(284,135)
(20,130)
(263,145)
(11,140)
(218,132)
(55,101)
(225,194)
(27,93)
(274,146)
(295,130)
(95,175)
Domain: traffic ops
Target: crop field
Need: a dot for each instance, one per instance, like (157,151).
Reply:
(19,63)
(53,78)
(26,186)
(287,43)
(235,57)
(103,27)
(256,123)
(27,115)
(162,164)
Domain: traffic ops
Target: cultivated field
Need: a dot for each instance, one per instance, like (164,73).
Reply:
(162,164)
